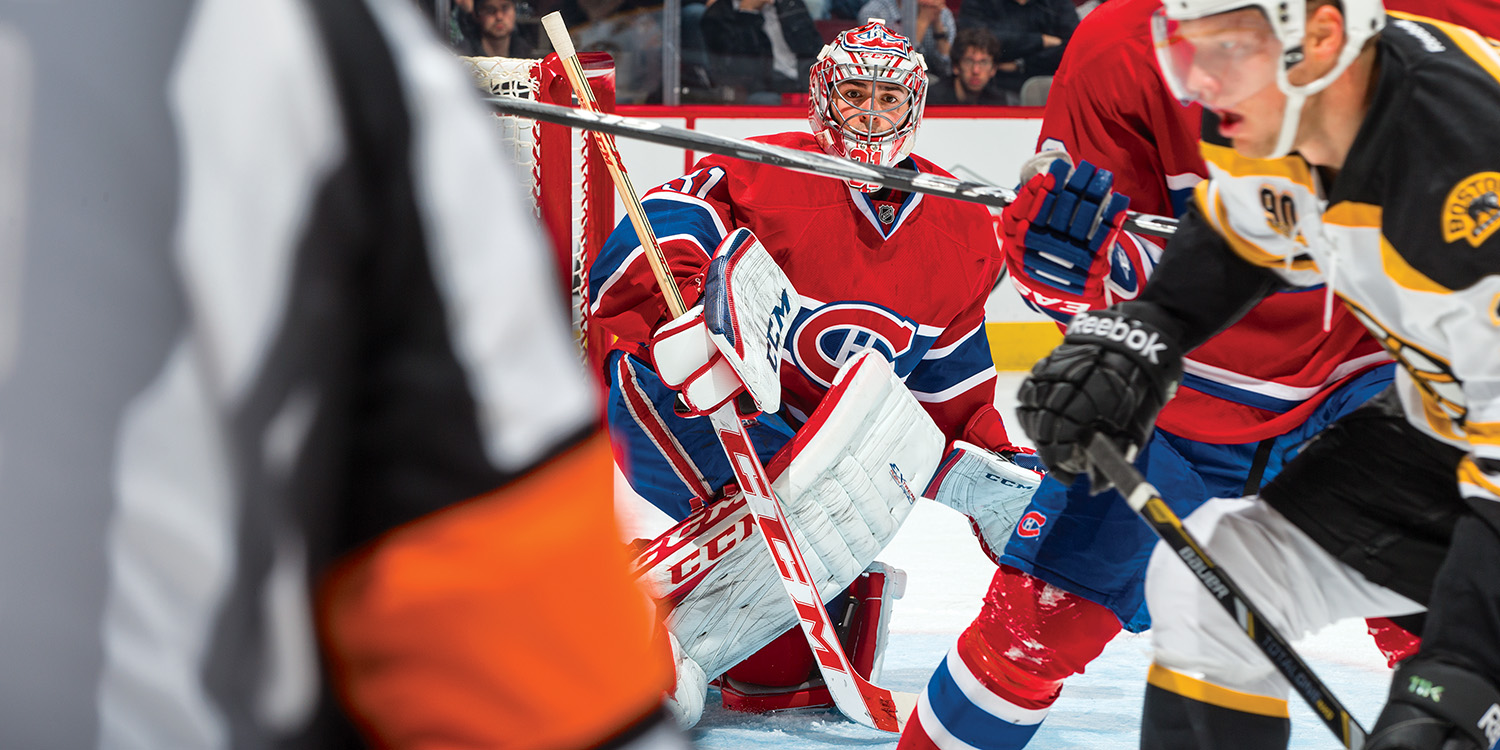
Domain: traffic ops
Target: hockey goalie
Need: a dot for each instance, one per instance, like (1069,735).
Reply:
(845,323)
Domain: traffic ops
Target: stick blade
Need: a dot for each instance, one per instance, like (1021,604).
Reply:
(557,33)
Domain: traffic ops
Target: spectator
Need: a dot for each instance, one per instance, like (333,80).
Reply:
(973,78)
(760,48)
(497,35)
(631,32)
(463,28)
(1032,34)
(933,33)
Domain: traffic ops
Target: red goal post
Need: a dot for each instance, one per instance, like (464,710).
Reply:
(570,187)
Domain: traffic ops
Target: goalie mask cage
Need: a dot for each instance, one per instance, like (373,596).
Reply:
(570,187)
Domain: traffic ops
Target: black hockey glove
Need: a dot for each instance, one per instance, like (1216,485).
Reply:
(1111,375)
(1437,706)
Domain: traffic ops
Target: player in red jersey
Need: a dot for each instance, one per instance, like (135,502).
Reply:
(902,275)
(1071,576)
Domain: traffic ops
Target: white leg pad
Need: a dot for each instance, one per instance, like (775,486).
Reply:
(845,483)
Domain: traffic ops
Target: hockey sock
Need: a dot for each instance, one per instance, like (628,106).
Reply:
(997,684)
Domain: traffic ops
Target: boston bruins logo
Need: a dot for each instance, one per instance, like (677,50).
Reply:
(1472,210)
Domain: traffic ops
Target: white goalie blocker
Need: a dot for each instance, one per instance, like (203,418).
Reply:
(730,343)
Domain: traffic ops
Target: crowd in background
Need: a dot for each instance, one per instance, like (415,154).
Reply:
(978,52)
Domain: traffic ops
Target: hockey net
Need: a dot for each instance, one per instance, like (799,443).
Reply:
(564,172)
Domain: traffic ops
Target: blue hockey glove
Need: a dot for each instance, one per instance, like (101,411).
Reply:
(1062,225)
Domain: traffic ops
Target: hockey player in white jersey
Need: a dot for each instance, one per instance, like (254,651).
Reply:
(1356,150)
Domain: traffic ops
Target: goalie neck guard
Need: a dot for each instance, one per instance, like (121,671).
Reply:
(867,91)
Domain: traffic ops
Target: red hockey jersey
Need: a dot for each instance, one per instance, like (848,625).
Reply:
(907,277)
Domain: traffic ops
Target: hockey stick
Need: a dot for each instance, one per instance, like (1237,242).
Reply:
(1146,501)
(810,162)
(855,697)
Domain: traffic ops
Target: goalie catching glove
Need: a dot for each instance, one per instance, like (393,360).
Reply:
(1112,374)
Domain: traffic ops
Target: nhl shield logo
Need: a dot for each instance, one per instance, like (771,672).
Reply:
(887,213)
(1472,210)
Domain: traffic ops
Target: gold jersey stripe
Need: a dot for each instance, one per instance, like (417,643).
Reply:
(1487,433)
(1402,272)
(1203,692)
(1229,160)
(1353,214)
(1470,473)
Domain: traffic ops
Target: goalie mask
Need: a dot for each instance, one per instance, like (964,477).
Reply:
(868,88)
(1215,62)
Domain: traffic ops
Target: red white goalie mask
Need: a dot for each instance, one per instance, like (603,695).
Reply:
(867,91)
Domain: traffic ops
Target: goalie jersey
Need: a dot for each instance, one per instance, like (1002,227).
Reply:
(1406,235)
(1262,376)
(906,277)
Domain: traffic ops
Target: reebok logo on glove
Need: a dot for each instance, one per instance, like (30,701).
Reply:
(1127,332)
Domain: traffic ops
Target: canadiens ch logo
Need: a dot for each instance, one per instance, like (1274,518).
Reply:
(1031,524)
(824,340)
(1472,210)
(879,39)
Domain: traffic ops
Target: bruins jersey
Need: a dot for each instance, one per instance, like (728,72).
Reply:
(1408,234)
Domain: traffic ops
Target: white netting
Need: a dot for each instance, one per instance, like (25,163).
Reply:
(521,139)
(502,76)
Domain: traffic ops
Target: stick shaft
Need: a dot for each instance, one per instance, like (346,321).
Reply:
(623,186)
(808,162)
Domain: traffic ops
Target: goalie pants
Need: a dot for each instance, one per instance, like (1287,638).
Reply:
(1366,522)
(677,464)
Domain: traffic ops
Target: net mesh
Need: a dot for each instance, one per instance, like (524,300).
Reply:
(523,140)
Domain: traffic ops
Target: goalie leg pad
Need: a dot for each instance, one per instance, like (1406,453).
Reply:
(845,482)
(783,675)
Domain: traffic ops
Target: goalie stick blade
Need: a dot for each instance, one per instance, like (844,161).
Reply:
(809,162)
(1146,501)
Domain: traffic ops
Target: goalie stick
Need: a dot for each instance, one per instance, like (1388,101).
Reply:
(809,162)
(855,697)
(1146,501)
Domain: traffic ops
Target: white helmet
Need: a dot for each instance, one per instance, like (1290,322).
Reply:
(1288,20)
(882,128)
